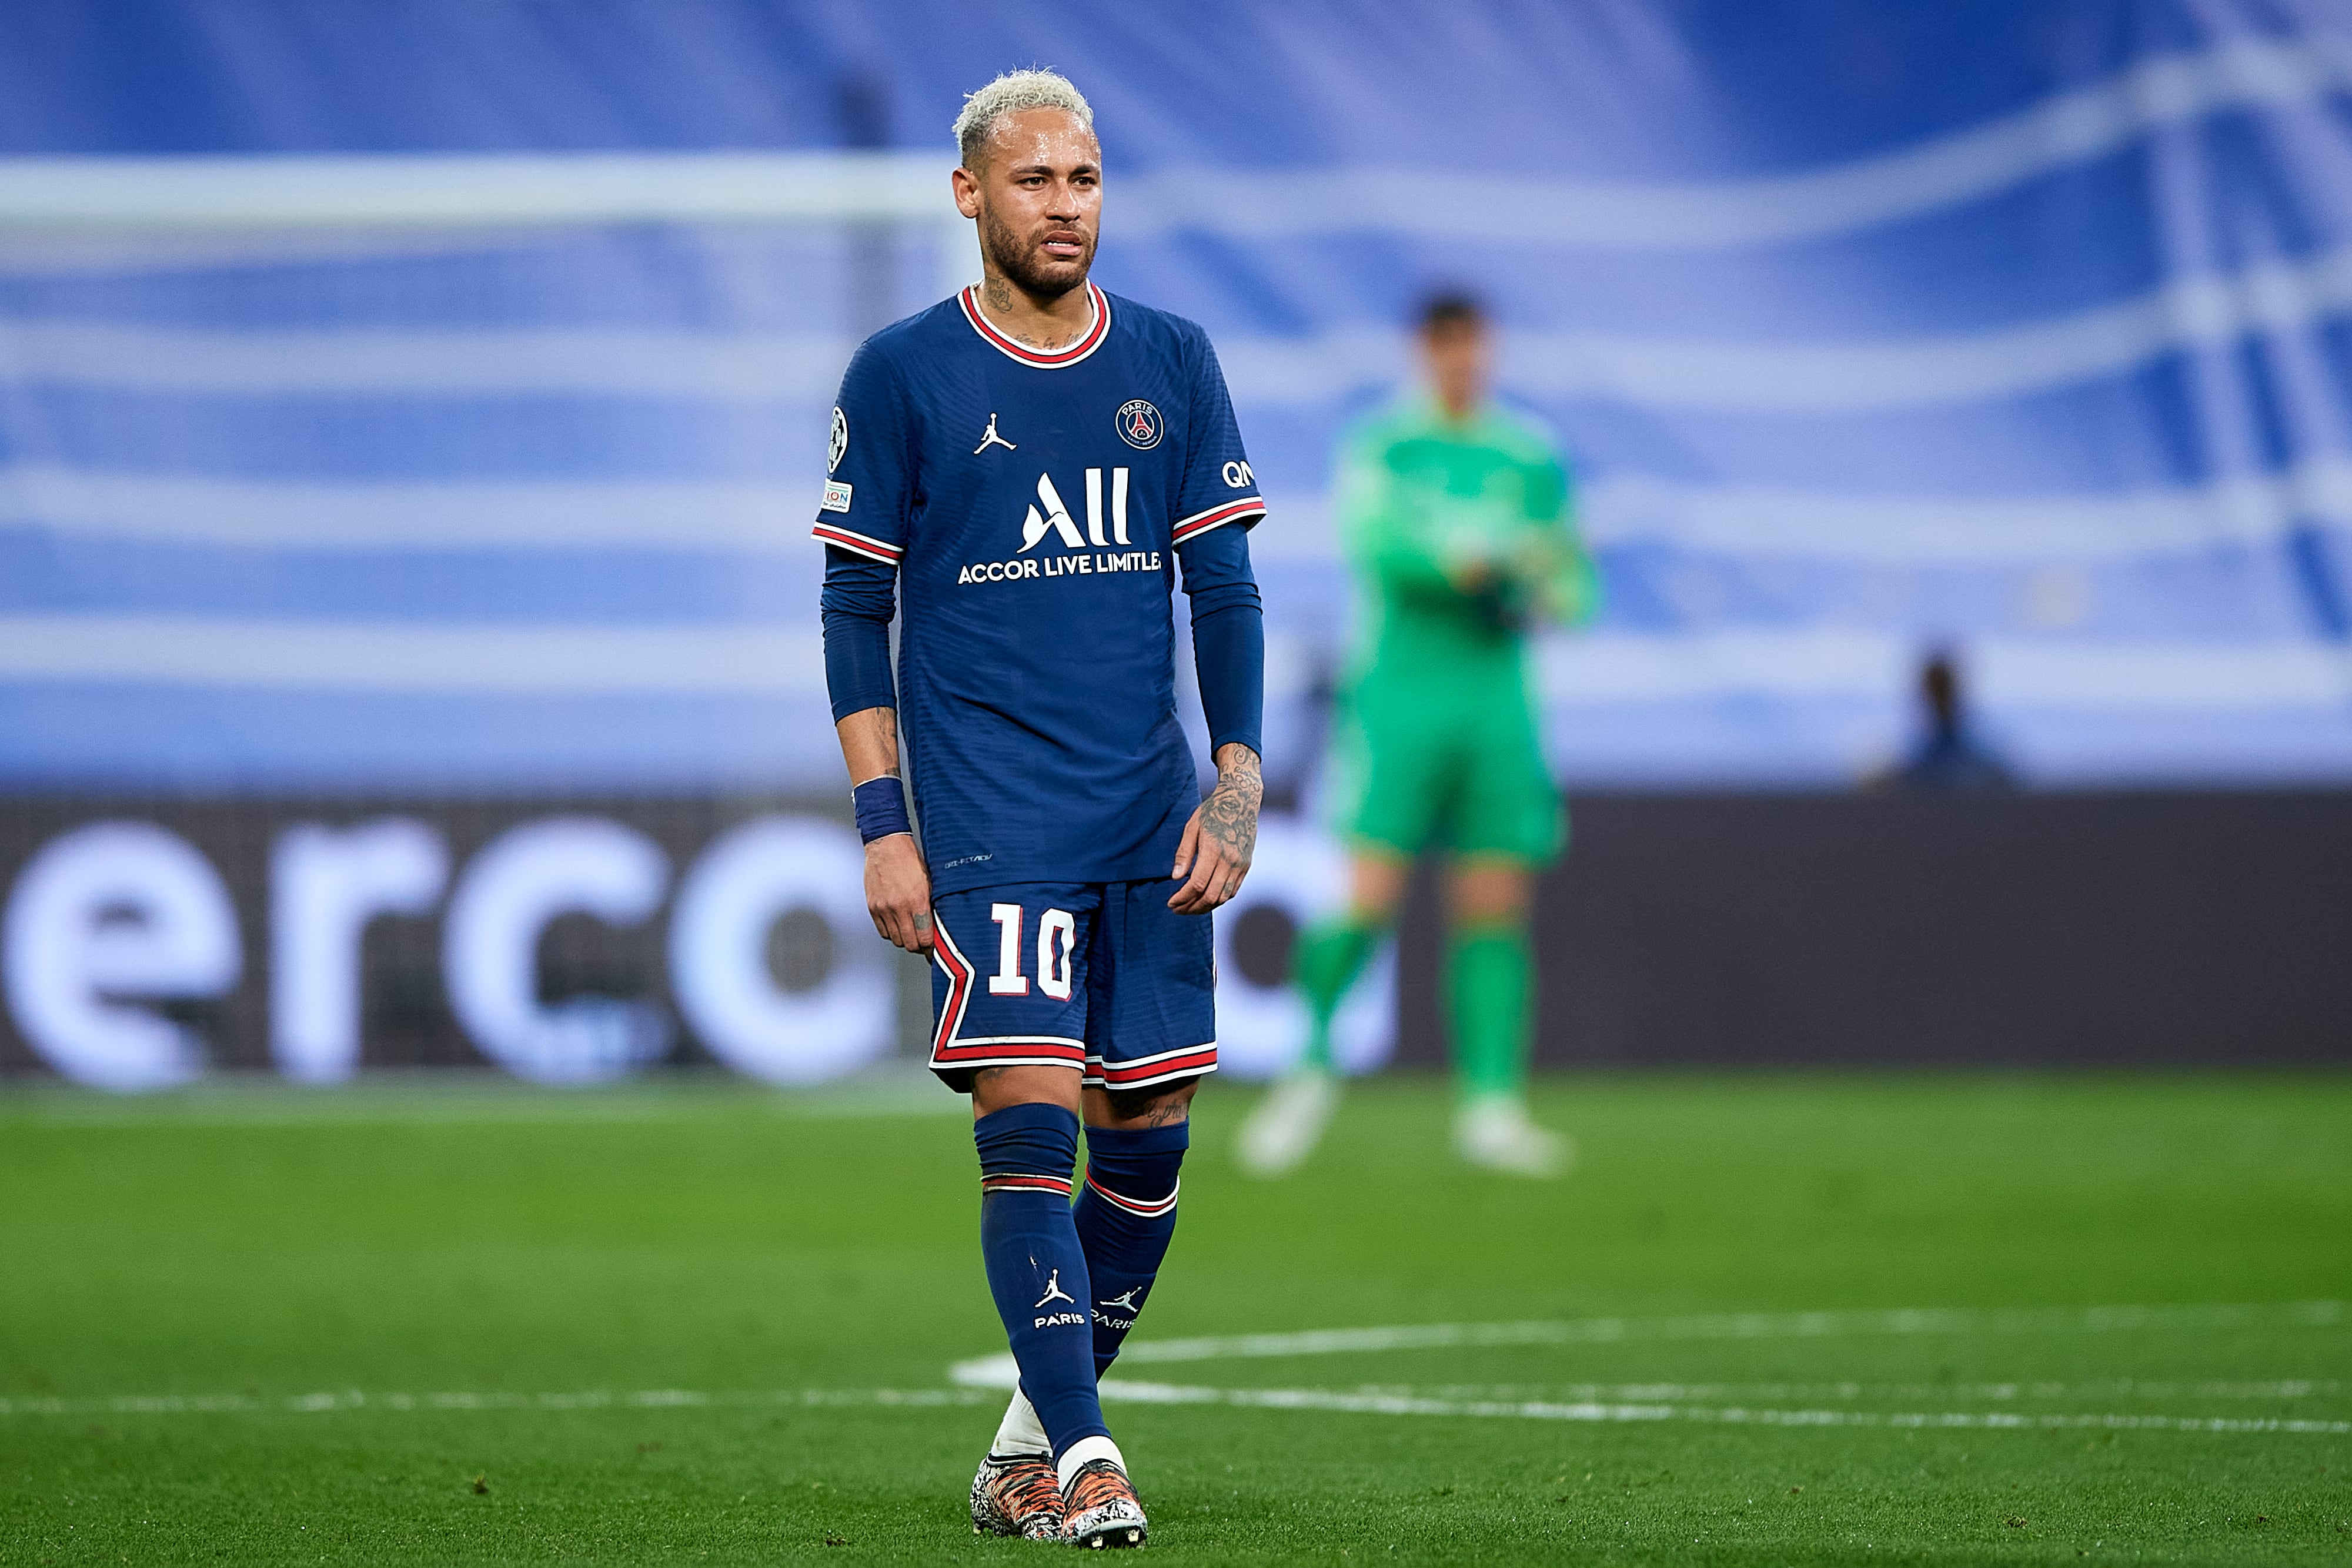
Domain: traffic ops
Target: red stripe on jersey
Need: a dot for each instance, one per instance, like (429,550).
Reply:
(1055,360)
(1216,516)
(874,549)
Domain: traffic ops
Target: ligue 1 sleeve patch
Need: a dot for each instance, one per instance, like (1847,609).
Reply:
(836,496)
(837,441)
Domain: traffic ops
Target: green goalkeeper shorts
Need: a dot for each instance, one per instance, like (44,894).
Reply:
(1420,765)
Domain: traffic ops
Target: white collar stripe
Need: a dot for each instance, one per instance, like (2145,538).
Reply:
(1093,339)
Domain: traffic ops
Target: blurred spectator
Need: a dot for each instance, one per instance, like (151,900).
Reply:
(1950,755)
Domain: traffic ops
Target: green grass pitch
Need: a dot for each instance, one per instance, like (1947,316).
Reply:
(699,1323)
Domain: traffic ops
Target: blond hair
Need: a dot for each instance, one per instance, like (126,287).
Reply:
(1009,94)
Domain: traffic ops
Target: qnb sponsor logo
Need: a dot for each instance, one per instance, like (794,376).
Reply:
(115,933)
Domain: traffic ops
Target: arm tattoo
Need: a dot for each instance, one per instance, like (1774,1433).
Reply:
(1229,816)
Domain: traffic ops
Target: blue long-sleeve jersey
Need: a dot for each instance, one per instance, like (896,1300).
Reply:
(1035,509)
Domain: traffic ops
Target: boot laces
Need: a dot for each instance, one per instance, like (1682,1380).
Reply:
(1098,1483)
(1031,1489)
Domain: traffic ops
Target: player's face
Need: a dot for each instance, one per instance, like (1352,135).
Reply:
(1460,356)
(1038,198)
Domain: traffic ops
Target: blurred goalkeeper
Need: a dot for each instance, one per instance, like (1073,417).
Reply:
(1454,513)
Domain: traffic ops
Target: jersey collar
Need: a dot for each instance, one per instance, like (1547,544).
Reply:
(1087,344)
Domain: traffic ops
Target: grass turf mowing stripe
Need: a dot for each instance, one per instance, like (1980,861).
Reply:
(2118,1387)
(589,1399)
(457,1097)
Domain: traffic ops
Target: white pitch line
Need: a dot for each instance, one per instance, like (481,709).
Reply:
(979,1379)
(1119,1390)
(1325,1399)
(994,1371)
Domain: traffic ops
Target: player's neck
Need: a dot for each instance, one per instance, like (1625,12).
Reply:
(1026,318)
(1451,411)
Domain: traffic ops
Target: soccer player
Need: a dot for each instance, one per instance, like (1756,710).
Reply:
(1455,514)
(1029,466)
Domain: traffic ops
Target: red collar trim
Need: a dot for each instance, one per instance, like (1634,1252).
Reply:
(970,300)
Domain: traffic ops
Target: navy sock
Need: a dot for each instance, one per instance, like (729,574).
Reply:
(1126,1216)
(1036,1269)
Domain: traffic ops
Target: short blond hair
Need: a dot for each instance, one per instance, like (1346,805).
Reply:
(1009,94)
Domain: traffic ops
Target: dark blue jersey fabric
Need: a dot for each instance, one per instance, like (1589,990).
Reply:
(1036,508)
(859,598)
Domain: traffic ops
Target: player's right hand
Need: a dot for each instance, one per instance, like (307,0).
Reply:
(898,892)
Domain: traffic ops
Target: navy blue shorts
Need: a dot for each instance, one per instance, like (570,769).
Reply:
(1099,975)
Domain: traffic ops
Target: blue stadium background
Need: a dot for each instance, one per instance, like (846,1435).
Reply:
(1870,326)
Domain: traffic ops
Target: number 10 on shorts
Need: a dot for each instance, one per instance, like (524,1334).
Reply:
(1056,934)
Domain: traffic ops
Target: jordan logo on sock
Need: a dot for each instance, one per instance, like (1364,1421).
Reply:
(1054,1292)
(1125,1299)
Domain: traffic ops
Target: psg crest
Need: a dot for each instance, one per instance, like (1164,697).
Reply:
(839,441)
(1139,424)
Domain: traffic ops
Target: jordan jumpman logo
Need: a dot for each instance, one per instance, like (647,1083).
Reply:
(1054,1292)
(992,439)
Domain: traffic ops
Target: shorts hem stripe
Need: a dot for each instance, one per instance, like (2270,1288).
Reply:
(1094,1058)
(1168,1075)
(1011,1056)
(962,1049)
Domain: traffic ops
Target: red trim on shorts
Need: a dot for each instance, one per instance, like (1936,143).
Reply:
(1161,1069)
(958,973)
(1010,1048)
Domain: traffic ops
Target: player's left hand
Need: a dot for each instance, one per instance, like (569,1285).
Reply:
(898,892)
(1221,837)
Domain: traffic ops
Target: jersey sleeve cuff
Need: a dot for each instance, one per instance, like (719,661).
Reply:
(856,543)
(1248,509)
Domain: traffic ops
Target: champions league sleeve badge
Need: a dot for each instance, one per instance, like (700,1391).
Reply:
(1139,424)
